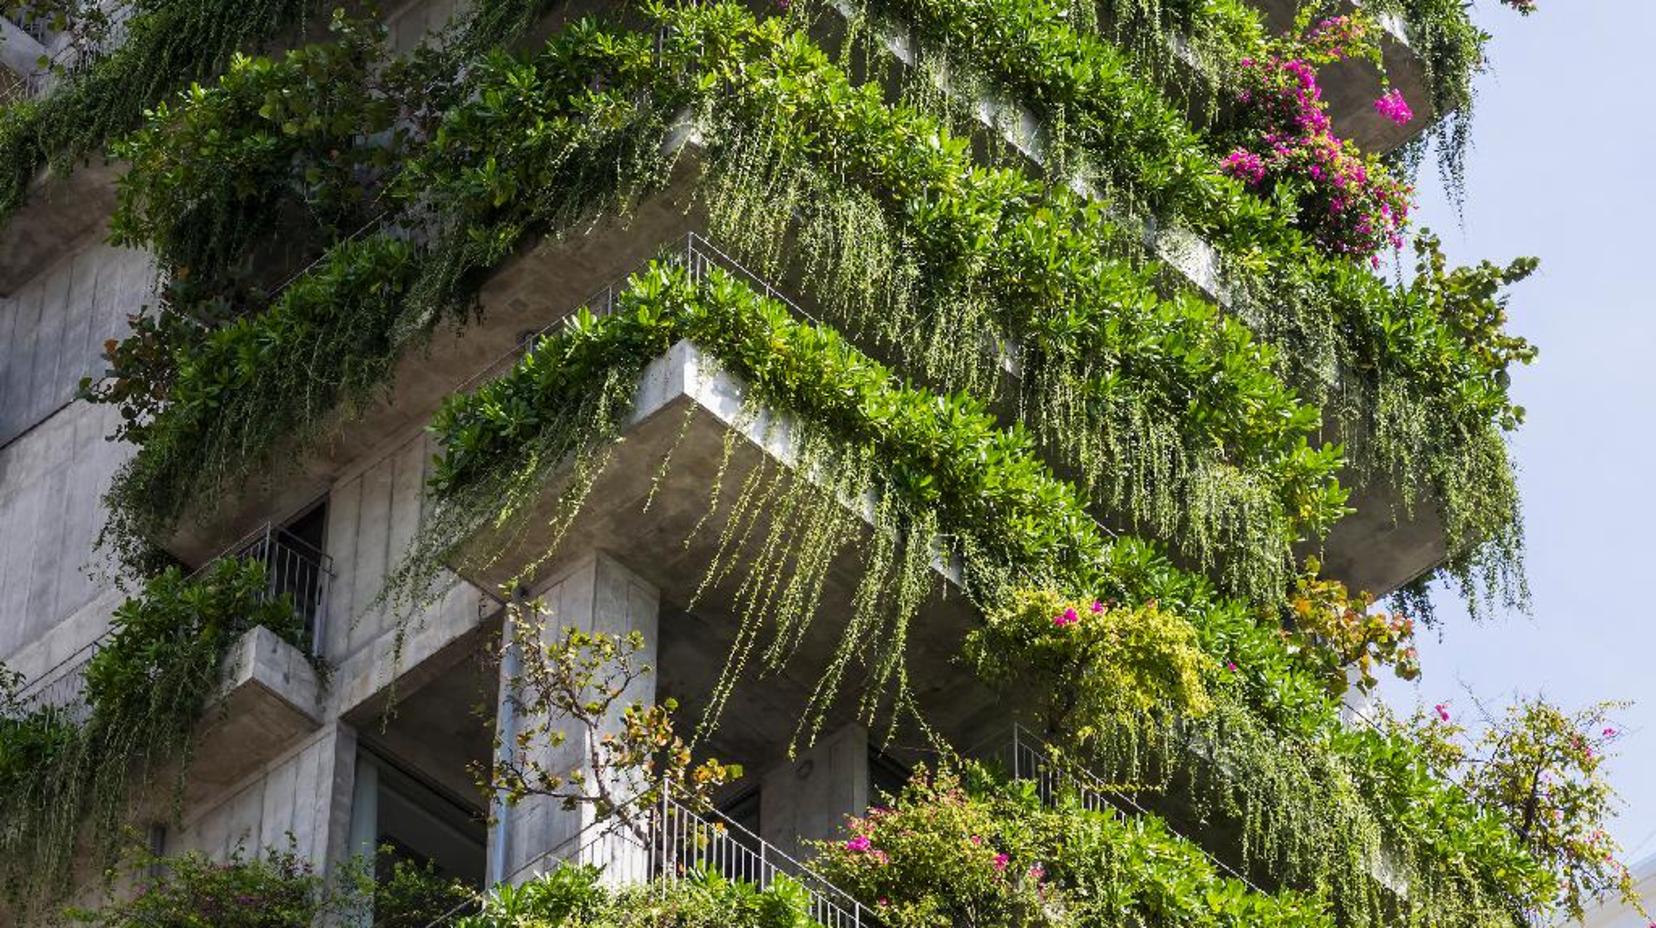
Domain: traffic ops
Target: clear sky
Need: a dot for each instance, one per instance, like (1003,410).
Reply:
(1562,169)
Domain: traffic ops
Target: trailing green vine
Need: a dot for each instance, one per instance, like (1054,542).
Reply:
(1015,527)
(73,778)
(168,44)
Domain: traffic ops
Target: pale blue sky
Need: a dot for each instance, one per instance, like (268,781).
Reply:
(1563,169)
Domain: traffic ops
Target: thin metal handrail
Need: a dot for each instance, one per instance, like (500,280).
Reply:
(1092,790)
(676,841)
(292,566)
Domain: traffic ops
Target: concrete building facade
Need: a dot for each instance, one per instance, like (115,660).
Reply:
(383,748)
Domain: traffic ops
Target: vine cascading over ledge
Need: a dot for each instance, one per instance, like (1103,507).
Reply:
(1413,384)
(491,206)
(1243,525)
(1015,528)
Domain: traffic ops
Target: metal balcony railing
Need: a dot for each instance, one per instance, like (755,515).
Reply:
(1026,756)
(69,53)
(293,568)
(670,842)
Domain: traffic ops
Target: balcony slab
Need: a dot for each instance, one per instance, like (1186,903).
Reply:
(269,696)
(685,406)
(545,282)
(61,211)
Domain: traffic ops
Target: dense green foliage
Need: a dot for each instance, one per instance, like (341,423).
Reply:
(1205,428)
(1294,777)
(167,44)
(945,853)
(72,776)
(1406,387)
(573,896)
(276,889)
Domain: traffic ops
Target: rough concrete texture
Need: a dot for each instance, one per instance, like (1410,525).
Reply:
(809,796)
(268,697)
(595,593)
(61,212)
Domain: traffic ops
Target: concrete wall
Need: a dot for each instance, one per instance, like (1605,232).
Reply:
(53,328)
(304,793)
(55,461)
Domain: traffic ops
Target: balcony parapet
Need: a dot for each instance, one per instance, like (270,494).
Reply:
(670,841)
(292,568)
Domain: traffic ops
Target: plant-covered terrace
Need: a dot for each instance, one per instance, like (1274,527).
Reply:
(1185,648)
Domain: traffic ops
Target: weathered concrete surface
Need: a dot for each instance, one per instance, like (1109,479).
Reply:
(60,212)
(685,405)
(1383,545)
(809,796)
(268,697)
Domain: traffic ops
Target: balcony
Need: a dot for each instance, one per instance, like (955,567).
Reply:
(61,211)
(669,841)
(540,286)
(268,693)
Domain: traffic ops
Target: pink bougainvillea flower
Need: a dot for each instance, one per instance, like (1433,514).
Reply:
(1392,106)
(1037,873)
(1001,861)
(977,840)
(1230,666)
(1245,166)
(1609,733)
(1068,617)
(1097,607)
(858,844)
(1442,710)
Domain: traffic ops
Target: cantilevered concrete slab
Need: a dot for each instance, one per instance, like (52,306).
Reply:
(547,281)
(269,696)
(685,406)
(60,211)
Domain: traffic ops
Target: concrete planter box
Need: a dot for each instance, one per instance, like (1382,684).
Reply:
(269,696)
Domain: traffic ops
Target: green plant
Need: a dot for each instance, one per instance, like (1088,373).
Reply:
(1313,796)
(275,889)
(627,756)
(975,852)
(167,44)
(290,145)
(147,686)
(1540,768)
(573,895)
(1091,663)
(1342,635)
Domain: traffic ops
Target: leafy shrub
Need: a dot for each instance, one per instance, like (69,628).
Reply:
(573,896)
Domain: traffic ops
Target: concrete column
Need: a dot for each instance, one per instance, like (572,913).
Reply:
(596,593)
(810,796)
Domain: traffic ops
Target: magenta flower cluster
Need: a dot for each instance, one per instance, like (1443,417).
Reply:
(1348,202)
(1392,106)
